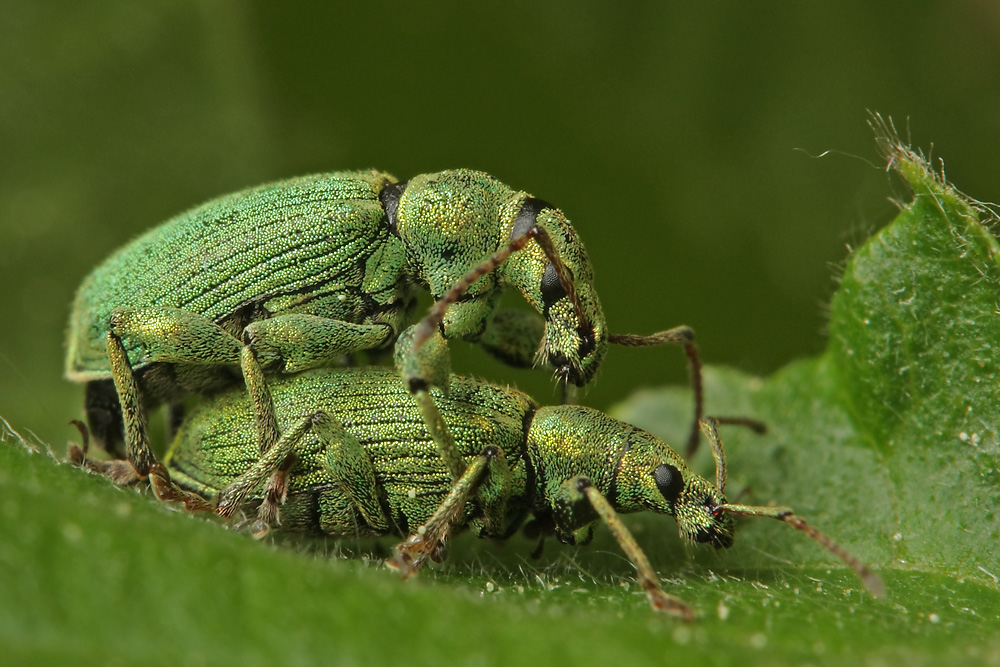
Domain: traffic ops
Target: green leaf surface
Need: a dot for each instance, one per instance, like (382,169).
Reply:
(887,443)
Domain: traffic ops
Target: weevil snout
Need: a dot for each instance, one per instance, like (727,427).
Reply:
(565,371)
(702,519)
(581,368)
(719,530)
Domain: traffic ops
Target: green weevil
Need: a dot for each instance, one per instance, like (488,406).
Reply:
(296,274)
(361,461)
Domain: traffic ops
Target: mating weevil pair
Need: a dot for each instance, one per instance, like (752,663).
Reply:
(296,274)
(362,462)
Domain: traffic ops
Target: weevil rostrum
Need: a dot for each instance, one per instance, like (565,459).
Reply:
(360,459)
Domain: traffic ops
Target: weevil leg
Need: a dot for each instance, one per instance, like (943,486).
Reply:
(137,448)
(167,334)
(519,326)
(434,318)
(684,336)
(513,337)
(344,452)
(167,491)
(345,457)
(266,421)
(494,491)
(179,336)
(77,454)
(268,434)
(118,471)
(275,493)
(277,457)
(579,488)
(298,341)
(294,341)
(122,472)
(431,537)
(353,470)
(431,365)
(175,335)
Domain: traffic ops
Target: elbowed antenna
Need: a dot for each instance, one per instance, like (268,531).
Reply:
(872,581)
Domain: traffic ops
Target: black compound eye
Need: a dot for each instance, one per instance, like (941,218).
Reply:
(669,482)
(389,197)
(552,288)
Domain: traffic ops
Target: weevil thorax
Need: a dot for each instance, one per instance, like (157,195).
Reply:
(448,225)
(635,470)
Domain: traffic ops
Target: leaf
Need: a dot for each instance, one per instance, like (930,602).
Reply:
(887,442)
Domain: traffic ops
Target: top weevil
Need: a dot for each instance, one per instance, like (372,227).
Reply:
(306,270)
(296,274)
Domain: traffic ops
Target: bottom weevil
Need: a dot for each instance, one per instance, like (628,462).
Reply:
(361,462)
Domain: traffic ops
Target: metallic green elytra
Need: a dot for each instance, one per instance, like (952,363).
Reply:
(360,459)
(301,272)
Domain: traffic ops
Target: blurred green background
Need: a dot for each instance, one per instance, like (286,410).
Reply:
(684,144)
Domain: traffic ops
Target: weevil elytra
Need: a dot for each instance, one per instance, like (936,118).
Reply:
(295,274)
(360,460)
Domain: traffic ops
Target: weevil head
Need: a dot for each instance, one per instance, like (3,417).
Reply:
(450,222)
(575,337)
(654,477)
(635,470)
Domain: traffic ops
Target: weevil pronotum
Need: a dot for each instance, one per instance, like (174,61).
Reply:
(296,274)
(361,460)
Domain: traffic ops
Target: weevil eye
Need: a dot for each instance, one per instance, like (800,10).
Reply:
(669,482)
(551,287)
